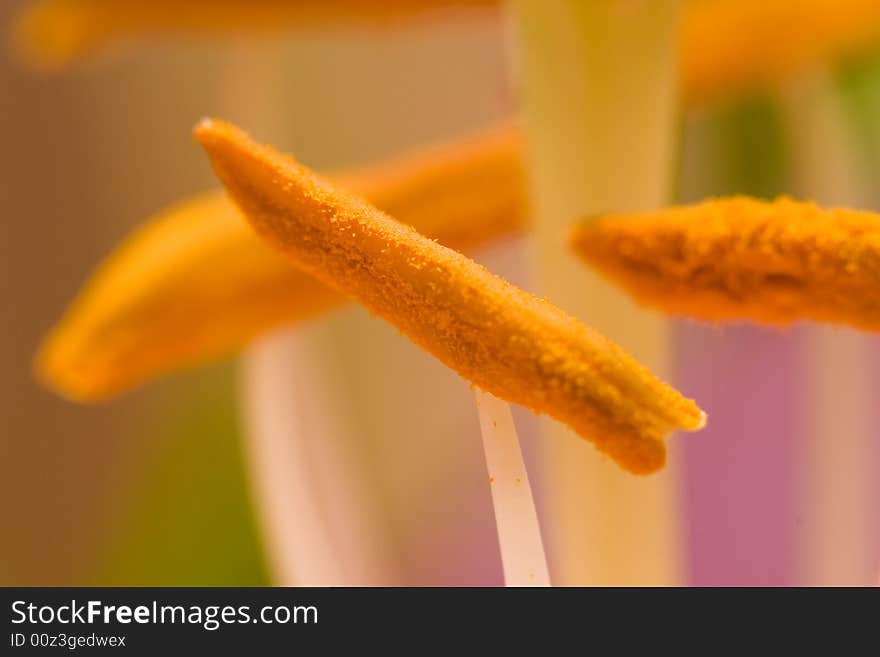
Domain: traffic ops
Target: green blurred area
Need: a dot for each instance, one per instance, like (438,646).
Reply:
(859,85)
(741,147)
(188,519)
(750,151)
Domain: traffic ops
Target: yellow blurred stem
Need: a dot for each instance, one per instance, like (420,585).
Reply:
(839,512)
(599,85)
(195,282)
(51,33)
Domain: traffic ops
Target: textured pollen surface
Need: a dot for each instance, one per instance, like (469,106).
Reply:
(744,259)
(196,282)
(509,343)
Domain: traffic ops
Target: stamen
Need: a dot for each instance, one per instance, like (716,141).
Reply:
(743,259)
(195,282)
(519,535)
(507,342)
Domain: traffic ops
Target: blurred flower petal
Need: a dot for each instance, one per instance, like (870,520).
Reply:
(744,259)
(504,340)
(195,282)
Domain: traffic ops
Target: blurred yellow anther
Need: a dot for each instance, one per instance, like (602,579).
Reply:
(51,33)
(744,259)
(506,341)
(733,46)
(727,47)
(195,282)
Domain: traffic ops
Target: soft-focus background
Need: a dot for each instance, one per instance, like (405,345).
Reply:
(152,488)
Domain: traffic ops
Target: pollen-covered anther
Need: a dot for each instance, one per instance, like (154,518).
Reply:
(502,339)
(195,282)
(743,259)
